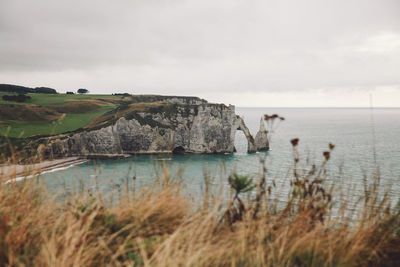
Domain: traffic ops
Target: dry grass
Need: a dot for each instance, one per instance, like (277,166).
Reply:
(20,112)
(162,226)
(105,119)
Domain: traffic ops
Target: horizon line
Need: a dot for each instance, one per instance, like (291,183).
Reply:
(380,107)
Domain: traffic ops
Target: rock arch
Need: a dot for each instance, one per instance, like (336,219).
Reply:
(261,141)
(240,126)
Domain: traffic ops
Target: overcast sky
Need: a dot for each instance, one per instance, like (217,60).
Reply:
(242,52)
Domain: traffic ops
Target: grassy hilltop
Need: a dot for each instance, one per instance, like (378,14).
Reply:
(46,114)
(50,114)
(33,116)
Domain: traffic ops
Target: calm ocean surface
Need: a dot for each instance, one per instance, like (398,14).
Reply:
(356,132)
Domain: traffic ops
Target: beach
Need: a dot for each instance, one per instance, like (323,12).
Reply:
(17,172)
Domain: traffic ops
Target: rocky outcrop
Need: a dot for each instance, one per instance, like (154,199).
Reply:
(185,100)
(261,141)
(170,128)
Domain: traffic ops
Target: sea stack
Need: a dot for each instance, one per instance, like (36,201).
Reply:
(261,141)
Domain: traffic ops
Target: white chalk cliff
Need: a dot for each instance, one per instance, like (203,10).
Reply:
(173,128)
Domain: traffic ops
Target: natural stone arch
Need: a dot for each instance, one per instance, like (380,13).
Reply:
(240,126)
(240,143)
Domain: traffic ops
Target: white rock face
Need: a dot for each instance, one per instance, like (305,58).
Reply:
(262,142)
(203,128)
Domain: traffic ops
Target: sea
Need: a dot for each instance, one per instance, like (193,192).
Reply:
(367,149)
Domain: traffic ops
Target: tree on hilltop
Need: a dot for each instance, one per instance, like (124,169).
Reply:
(83,91)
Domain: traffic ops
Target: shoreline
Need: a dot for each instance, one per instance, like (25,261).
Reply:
(18,172)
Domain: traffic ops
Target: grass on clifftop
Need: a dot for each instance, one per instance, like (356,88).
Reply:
(69,122)
(47,114)
(56,99)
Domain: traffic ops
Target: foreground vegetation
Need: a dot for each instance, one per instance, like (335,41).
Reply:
(164,226)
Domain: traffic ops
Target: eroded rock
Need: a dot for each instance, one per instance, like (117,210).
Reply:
(261,141)
(203,128)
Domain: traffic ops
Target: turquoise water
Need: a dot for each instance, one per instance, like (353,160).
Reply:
(356,133)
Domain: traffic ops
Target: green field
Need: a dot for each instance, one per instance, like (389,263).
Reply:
(73,118)
(70,122)
(50,114)
(55,99)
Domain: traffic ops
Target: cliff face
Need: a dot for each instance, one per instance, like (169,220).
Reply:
(202,128)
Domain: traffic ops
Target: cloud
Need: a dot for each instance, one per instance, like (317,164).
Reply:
(381,44)
(187,47)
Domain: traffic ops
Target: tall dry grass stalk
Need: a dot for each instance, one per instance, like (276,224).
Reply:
(161,226)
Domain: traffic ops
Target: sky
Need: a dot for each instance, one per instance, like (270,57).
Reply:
(272,53)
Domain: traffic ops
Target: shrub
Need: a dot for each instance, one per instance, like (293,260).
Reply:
(44,90)
(23,90)
(16,98)
(82,91)
(122,94)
